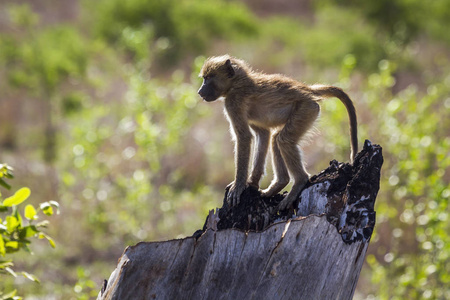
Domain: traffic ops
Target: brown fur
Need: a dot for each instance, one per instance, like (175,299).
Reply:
(277,109)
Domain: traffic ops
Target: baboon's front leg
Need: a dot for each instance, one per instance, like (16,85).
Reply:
(260,153)
(241,129)
(242,155)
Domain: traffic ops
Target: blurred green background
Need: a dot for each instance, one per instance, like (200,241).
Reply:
(99,111)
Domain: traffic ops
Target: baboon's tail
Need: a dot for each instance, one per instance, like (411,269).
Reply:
(332,91)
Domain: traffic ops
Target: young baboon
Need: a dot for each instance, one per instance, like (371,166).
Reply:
(277,109)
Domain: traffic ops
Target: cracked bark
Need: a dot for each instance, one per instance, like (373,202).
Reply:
(253,251)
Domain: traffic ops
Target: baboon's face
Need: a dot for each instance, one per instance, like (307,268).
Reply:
(209,90)
(217,79)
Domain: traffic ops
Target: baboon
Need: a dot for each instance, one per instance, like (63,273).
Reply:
(277,109)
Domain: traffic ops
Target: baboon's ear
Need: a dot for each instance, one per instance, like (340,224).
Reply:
(230,69)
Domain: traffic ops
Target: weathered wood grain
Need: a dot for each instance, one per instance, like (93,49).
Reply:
(314,250)
(300,259)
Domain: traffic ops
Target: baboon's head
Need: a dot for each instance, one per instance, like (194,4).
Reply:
(217,73)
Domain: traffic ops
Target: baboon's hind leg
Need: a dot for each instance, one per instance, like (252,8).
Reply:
(296,127)
(281,178)
(260,153)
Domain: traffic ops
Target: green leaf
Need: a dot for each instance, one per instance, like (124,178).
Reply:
(30,212)
(47,208)
(12,244)
(4,184)
(50,240)
(11,223)
(18,197)
(28,231)
(17,216)
(2,246)
(30,276)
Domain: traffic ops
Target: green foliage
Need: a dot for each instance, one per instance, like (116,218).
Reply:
(333,29)
(141,158)
(41,60)
(148,129)
(85,288)
(5,173)
(416,129)
(171,28)
(15,232)
(412,258)
(404,20)
(20,196)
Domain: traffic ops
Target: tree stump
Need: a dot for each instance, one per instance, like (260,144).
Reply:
(314,250)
